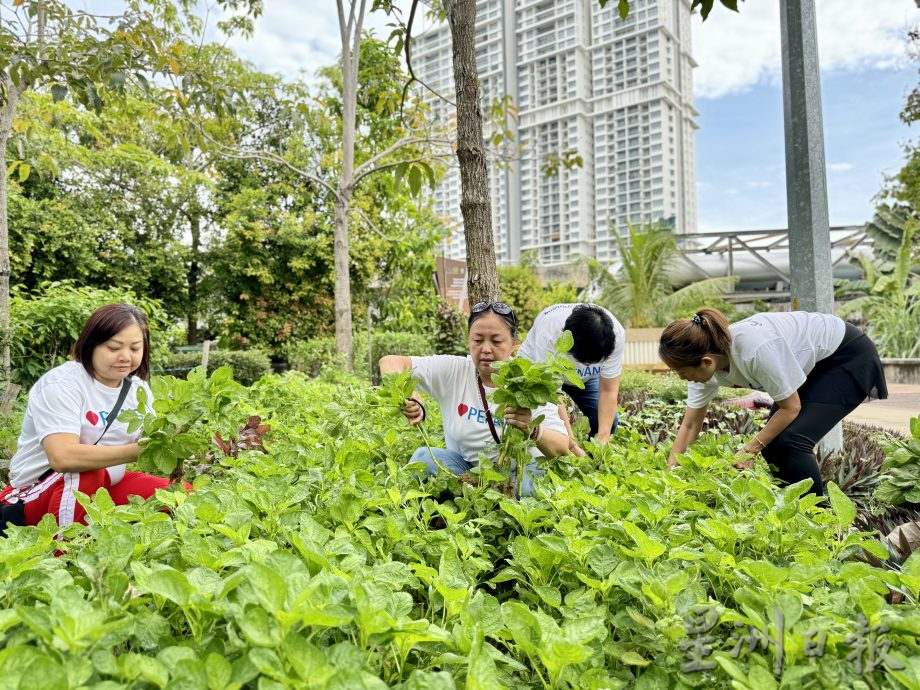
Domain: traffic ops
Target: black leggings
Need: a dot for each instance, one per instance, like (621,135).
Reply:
(834,388)
(793,451)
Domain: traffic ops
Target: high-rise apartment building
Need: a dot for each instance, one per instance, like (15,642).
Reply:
(617,94)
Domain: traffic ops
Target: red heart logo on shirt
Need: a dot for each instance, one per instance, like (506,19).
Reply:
(92,417)
(462,409)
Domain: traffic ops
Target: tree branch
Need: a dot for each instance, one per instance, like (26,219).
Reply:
(407,42)
(250,154)
(373,227)
(385,166)
(363,169)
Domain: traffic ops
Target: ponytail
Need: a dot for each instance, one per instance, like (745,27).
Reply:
(685,342)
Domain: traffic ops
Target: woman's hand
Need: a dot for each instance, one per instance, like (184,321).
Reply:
(519,417)
(744,459)
(672,463)
(414,411)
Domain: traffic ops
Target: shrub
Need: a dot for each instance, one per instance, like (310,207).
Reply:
(248,365)
(665,386)
(388,343)
(10,426)
(45,324)
(450,334)
(313,356)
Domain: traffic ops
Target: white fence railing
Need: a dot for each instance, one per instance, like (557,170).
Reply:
(642,349)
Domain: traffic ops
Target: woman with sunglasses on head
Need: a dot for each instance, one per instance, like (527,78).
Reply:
(816,367)
(597,352)
(71,439)
(461,386)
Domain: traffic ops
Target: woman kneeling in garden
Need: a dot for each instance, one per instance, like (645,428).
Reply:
(71,440)
(816,367)
(460,384)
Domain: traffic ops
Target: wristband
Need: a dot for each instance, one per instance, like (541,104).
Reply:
(537,433)
(760,443)
(419,403)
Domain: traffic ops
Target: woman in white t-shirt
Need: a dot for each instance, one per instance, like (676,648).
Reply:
(68,443)
(816,367)
(597,353)
(461,387)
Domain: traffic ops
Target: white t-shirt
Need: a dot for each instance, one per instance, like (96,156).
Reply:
(68,400)
(774,353)
(451,381)
(549,325)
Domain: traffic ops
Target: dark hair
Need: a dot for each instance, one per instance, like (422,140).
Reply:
(510,319)
(685,342)
(592,331)
(104,324)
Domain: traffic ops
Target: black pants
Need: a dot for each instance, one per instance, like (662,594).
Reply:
(835,387)
(793,451)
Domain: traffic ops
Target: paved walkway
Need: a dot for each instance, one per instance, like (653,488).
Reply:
(894,413)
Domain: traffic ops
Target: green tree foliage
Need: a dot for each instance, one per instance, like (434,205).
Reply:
(640,292)
(109,209)
(887,229)
(46,45)
(272,269)
(522,288)
(47,322)
(890,303)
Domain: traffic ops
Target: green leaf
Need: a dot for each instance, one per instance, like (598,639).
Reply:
(565,342)
(58,92)
(415,180)
(602,559)
(633,659)
(218,670)
(481,673)
(844,508)
(623,7)
(649,548)
(169,584)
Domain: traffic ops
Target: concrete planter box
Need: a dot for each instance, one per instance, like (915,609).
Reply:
(902,370)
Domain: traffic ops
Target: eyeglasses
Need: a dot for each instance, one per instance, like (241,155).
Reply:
(497,307)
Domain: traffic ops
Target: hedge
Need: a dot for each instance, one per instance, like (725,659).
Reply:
(248,365)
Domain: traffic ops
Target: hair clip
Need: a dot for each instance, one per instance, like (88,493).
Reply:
(697,319)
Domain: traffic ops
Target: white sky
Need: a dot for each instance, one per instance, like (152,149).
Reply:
(734,51)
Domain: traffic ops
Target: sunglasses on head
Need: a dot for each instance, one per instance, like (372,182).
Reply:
(497,307)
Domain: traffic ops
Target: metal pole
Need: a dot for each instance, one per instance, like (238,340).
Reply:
(811,273)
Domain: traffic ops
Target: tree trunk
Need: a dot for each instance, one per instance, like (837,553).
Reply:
(350,29)
(475,203)
(6,125)
(193,274)
(342,261)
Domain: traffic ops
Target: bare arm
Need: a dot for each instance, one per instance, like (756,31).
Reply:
(689,429)
(66,454)
(574,448)
(609,391)
(551,443)
(789,409)
(396,364)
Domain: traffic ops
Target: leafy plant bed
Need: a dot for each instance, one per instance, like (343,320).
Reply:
(317,560)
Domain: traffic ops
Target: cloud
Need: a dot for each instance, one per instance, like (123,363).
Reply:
(737,51)
(840,167)
(298,37)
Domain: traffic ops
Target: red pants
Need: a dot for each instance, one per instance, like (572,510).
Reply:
(54,494)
